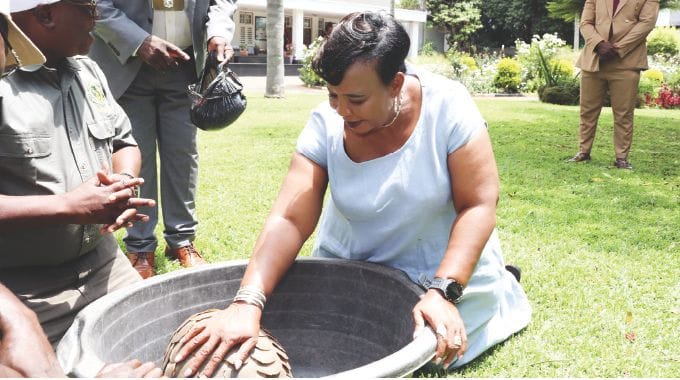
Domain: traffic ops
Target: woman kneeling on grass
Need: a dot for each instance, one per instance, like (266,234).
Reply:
(413,185)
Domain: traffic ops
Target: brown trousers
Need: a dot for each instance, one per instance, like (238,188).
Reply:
(56,294)
(623,90)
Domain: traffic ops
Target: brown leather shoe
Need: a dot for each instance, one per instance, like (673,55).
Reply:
(580,157)
(142,262)
(188,255)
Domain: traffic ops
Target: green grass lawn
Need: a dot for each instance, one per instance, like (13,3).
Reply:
(599,247)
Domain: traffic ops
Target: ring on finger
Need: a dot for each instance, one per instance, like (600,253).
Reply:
(457,341)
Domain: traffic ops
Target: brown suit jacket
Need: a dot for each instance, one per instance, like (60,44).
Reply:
(631,23)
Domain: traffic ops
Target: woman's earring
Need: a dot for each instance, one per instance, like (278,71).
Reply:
(395,106)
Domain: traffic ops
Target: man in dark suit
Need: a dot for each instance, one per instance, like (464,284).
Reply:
(150,50)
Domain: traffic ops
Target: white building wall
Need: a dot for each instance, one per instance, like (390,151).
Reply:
(668,17)
(328,11)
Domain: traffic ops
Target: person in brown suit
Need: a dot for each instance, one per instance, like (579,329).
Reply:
(614,53)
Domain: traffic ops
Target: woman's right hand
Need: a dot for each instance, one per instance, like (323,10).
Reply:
(211,339)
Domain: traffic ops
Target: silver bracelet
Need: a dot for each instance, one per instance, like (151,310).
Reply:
(251,295)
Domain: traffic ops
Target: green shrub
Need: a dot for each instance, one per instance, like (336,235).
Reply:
(409,4)
(654,75)
(307,75)
(428,49)
(563,68)
(664,41)
(462,63)
(650,83)
(480,80)
(553,72)
(469,62)
(648,86)
(508,77)
(435,63)
(674,81)
(565,93)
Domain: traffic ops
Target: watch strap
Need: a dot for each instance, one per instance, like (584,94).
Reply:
(442,284)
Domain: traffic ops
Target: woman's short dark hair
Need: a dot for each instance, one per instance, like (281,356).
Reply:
(363,37)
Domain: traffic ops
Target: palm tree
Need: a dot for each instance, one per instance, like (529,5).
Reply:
(275,69)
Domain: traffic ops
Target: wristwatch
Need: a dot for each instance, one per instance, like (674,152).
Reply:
(450,288)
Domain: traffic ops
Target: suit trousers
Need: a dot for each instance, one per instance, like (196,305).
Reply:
(623,90)
(158,107)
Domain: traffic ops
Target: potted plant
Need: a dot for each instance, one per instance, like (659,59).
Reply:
(243,50)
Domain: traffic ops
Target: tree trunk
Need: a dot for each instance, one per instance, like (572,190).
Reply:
(275,69)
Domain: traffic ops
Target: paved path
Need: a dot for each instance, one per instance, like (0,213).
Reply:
(293,84)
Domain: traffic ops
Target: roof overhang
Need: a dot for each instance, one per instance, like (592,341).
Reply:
(326,8)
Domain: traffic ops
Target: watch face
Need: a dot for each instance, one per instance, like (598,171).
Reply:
(454,290)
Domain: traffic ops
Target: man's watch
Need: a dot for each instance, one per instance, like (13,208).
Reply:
(450,289)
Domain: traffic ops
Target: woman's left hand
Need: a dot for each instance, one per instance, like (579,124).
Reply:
(444,317)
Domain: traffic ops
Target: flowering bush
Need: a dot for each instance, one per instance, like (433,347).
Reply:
(480,81)
(553,49)
(654,75)
(435,63)
(650,84)
(307,75)
(648,88)
(666,98)
(462,62)
(469,63)
(428,49)
(474,73)
(660,85)
(667,65)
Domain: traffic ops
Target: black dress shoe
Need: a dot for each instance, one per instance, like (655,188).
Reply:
(580,157)
(515,271)
(622,163)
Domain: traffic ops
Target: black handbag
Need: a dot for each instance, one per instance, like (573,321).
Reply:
(216,99)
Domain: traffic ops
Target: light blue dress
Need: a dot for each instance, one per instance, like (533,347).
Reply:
(397,210)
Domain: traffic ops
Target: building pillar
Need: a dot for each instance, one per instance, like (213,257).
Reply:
(577,22)
(413,30)
(298,45)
